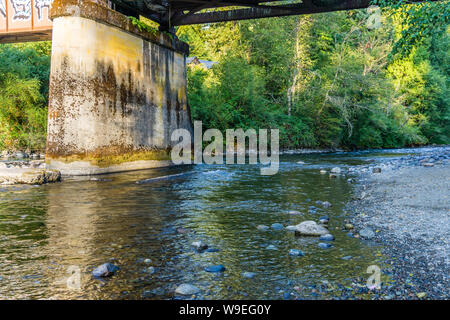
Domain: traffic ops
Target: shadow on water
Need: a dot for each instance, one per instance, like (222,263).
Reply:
(84,223)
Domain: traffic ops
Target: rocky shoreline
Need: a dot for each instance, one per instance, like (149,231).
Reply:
(403,204)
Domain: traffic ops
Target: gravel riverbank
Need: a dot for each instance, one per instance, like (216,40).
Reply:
(405,207)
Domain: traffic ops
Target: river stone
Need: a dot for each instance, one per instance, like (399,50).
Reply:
(217,268)
(105,270)
(296,253)
(376,170)
(248,275)
(271,247)
(310,228)
(323,245)
(186,289)
(323,172)
(327,237)
(295,212)
(333,176)
(291,228)
(277,226)
(428,164)
(367,233)
(262,227)
(199,246)
(336,170)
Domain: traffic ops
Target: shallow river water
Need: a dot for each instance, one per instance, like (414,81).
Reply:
(51,231)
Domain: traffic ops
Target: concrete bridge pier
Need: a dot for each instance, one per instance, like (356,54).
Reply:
(116,92)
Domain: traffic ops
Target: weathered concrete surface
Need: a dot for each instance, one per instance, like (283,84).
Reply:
(28,176)
(116,94)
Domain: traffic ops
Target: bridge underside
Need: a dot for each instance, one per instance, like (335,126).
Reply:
(171,13)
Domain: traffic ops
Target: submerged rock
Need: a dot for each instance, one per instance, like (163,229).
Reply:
(105,270)
(199,246)
(262,227)
(367,233)
(277,226)
(323,171)
(186,289)
(376,170)
(248,275)
(217,268)
(327,237)
(336,170)
(324,219)
(310,228)
(326,204)
(323,245)
(291,228)
(271,247)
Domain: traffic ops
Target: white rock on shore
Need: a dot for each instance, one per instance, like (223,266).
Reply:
(11,176)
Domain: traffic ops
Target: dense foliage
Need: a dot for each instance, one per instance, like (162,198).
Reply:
(24,80)
(327,80)
(357,79)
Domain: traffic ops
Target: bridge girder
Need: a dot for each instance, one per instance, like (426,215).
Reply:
(170,13)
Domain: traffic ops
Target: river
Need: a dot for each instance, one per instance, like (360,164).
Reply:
(50,230)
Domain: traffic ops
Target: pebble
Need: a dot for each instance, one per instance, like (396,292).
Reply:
(262,227)
(348,226)
(421,295)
